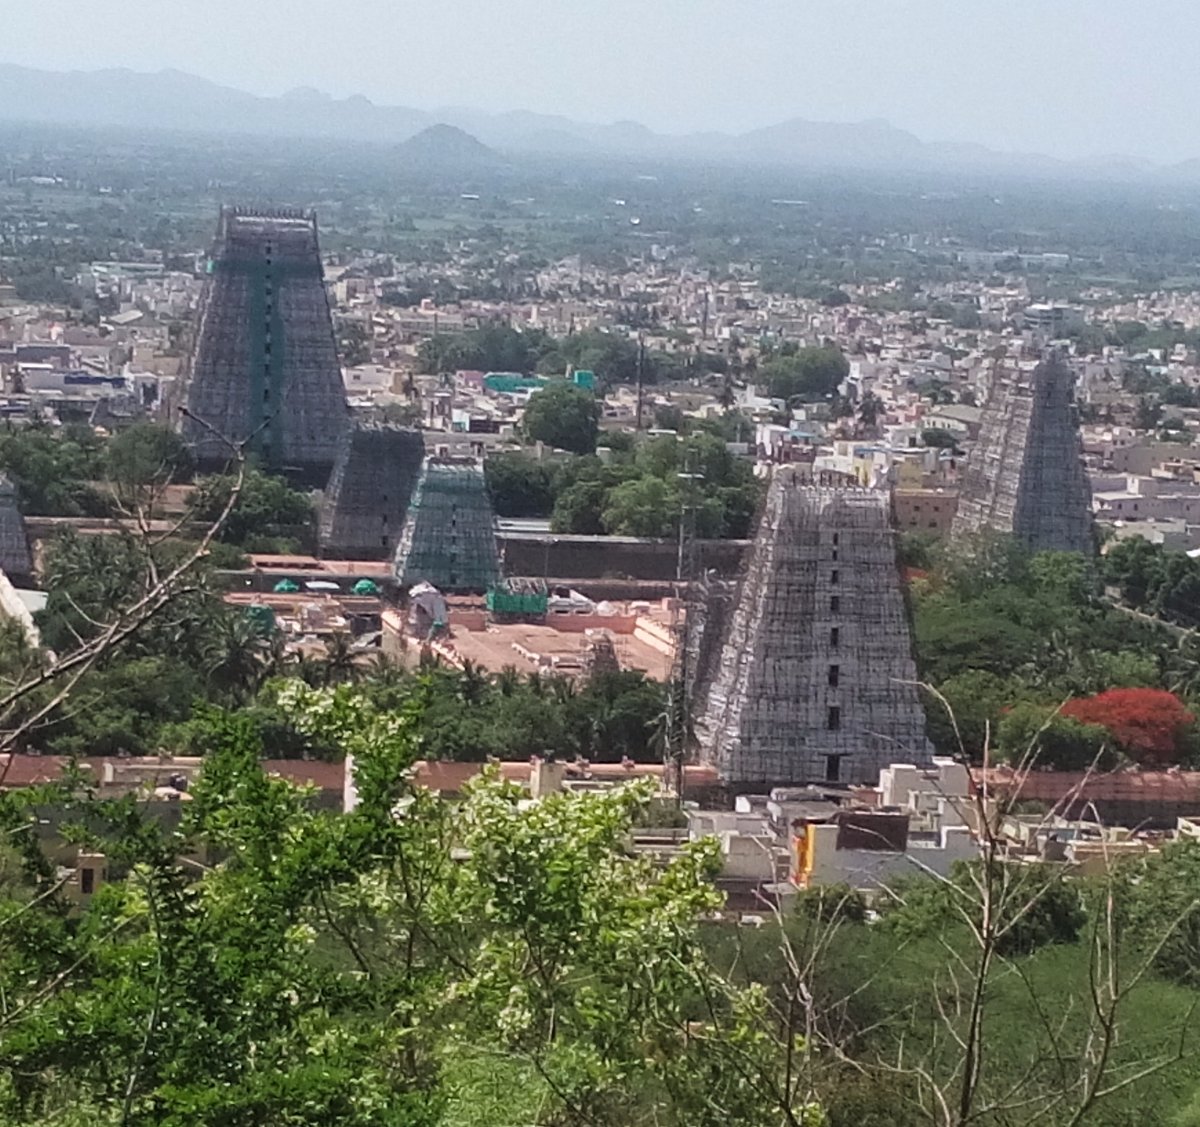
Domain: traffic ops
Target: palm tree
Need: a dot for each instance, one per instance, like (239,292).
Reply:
(562,689)
(385,672)
(311,670)
(472,682)
(508,681)
(870,409)
(340,666)
(237,656)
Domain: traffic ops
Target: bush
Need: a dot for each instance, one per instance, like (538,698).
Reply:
(1061,743)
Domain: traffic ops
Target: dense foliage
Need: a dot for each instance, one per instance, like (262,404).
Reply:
(564,417)
(1007,640)
(498,348)
(54,472)
(804,373)
(377,967)
(638,491)
(1155,579)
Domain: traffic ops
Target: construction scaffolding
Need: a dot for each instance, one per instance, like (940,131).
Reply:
(518,600)
(264,369)
(1026,475)
(369,491)
(449,535)
(16,561)
(814,680)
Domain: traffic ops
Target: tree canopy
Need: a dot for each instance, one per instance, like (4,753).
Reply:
(563,416)
(808,373)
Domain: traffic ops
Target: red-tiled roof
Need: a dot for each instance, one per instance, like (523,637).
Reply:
(1109,786)
(29,770)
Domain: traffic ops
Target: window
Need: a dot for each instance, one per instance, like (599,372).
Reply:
(833,577)
(835,604)
(834,637)
(835,672)
(833,768)
(87,881)
(833,555)
(834,720)
(835,539)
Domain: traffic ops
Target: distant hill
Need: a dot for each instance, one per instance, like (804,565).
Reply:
(443,147)
(465,138)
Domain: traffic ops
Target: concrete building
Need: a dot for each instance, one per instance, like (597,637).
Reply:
(1050,321)
(924,510)
(872,850)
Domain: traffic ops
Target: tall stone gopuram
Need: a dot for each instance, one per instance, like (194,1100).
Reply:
(264,367)
(1025,475)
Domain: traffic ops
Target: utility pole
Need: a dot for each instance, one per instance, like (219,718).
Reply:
(641,363)
(678,731)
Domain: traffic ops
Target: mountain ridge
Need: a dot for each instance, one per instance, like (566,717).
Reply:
(174,99)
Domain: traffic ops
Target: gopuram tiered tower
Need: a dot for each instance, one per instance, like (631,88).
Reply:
(264,368)
(449,535)
(1026,475)
(369,492)
(815,680)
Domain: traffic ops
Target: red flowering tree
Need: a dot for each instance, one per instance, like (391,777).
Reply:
(1149,725)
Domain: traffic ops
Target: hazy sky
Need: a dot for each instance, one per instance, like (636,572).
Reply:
(1068,77)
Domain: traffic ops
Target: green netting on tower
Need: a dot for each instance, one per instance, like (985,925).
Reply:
(449,536)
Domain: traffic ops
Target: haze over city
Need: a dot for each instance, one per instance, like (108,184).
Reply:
(1071,79)
(599,564)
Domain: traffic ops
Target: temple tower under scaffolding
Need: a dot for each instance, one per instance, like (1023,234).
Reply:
(264,369)
(369,492)
(815,680)
(449,535)
(1025,475)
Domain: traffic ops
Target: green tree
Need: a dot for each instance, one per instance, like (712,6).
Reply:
(646,506)
(146,454)
(869,410)
(810,373)
(563,416)
(519,486)
(1164,914)
(354,343)
(53,471)
(269,512)
(1054,742)
(363,968)
(579,508)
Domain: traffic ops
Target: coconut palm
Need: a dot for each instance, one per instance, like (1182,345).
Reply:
(472,683)
(340,664)
(508,681)
(237,656)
